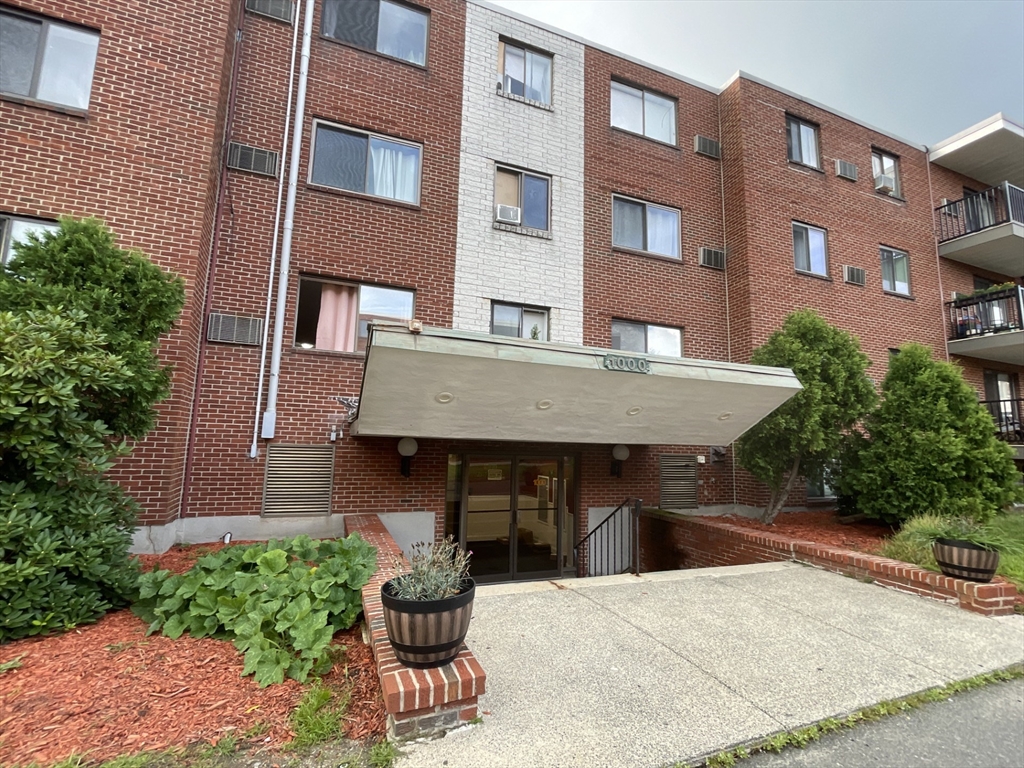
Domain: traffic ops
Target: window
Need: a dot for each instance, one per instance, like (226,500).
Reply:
(527,193)
(519,322)
(886,172)
(818,488)
(41,59)
(395,30)
(810,253)
(524,72)
(895,271)
(643,112)
(802,142)
(647,339)
(16,230)
(365,162)
(338,316)
(645,227)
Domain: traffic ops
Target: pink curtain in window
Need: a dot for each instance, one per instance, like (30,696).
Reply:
(336,328)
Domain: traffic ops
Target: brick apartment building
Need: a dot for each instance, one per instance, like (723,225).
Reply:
(522,274)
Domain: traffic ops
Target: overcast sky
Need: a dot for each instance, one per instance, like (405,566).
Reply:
(922,69)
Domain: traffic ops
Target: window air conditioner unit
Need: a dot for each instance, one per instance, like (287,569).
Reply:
(886,184)
(507,214)
(854,275)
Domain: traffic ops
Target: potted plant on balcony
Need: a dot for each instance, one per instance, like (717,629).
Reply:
(427,609)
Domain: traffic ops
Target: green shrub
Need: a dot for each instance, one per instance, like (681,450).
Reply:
(913,542)
(280,602)
(929,447)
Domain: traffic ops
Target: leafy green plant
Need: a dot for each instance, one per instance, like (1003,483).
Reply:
(804,435)
(929,447)
(280,602)
(437,571)
(13,664)
(317,718)
(383,754)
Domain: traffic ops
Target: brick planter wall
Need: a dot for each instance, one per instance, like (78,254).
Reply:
(670,541)
(419,702)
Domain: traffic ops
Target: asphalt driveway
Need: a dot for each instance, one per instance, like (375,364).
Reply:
(667,667)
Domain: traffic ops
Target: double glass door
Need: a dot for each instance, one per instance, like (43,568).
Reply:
(516,515)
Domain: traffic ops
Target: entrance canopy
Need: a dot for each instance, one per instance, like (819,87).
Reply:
(440,383)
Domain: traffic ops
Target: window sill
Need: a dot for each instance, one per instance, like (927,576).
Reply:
(898,295)
(363,196)
(524,100)
(50,107)
(645,137)
(796,165)
(330,353)
(815,275)
(894,198)
(378,54)
(647,254)
(528,231)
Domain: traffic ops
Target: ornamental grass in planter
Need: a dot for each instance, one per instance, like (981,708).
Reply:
(427,609)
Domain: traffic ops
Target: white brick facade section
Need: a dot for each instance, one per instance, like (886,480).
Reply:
(492,264)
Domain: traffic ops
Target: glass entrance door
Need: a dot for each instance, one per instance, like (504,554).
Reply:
(515,516)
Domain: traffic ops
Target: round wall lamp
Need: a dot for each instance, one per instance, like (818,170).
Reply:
(619,454)
(407,448)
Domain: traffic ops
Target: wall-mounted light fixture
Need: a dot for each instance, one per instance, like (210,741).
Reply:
(619,454)
(407,448)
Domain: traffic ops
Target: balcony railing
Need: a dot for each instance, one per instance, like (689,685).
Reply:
(1007,416)
(993,312)
(973,213)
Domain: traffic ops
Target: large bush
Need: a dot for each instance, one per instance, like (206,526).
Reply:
(804,435)
(280,602)
(78,371)
(929,446)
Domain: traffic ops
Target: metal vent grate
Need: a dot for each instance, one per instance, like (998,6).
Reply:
(246,158)
(702,145)
(235,329)
(854,275)
(678,482)
(275,9)
(299,480)
(846,170)
(712,257)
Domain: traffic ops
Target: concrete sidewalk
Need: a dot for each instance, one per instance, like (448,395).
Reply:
(626,671)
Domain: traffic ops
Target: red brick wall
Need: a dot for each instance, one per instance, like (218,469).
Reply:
(144,159)
(337,235)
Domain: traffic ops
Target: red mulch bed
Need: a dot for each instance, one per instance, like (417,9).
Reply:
(106,689)
(822,527)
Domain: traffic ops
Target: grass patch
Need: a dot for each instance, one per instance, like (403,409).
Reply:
(383,754)
(801,737)
(913,544)
(14,663)
(318,717)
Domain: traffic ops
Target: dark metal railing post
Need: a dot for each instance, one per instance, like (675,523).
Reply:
(637,509)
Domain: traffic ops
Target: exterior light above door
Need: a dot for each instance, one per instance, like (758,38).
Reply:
(407,448)
(619,454)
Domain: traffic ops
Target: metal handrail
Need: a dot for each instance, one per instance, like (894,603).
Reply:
(1008,415)
(981,210)
(985,313)
(604,546)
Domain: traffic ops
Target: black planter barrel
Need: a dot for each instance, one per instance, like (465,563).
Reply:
(427,633)
(964,560)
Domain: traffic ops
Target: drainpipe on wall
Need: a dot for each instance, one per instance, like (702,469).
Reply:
(270,415)
(254,448)
(938,259)
(222,184)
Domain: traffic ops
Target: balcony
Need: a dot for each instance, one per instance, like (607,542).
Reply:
(989,326)
(985,230)
(1009,418)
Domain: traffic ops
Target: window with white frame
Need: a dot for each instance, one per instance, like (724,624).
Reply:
(394,29)
(802,141)
(15,230)
(46,60)
(645,227)
(647,339)
(643,112)
(524,72)
(337,316)
(895,271)
(519,322)
(885,169)
(810,249)
(521,198)
(345,158)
